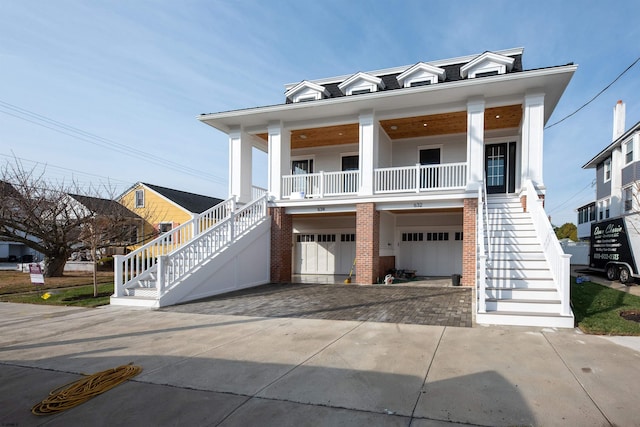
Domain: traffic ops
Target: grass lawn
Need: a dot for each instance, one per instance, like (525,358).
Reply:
(74,289)
(597,309)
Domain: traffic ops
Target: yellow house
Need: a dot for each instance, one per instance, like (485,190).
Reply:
(162,209)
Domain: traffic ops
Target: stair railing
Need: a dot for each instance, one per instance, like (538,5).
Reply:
(140,263)
(181,262)
(481,266)
(557,259)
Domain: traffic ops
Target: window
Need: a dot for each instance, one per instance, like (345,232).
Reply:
(139,199)
(458,235)
(301,167)
(488,73)
(412,237)
(628,199)
(165,227)
(347,237)
(360,91)
(607,170)
(420,83)
(305,238)
(628,153)
(326,237)
(603,209)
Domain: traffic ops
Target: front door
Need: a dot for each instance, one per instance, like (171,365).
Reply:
(429,177)
(495,163)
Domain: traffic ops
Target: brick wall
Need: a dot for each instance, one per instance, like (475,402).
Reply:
(469,218)
(281,245)
(367,243)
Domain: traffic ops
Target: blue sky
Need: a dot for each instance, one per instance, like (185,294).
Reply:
(104,90)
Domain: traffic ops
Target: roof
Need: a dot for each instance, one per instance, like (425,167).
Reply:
(195,203)
(604,154)
(104,206)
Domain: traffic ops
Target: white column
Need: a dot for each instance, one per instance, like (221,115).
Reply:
(369,140)
(279,157)
(533,138)
(475,143)
(617,163)
(240,174)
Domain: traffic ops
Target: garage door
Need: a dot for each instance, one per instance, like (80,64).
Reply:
(324,253)
(431,253)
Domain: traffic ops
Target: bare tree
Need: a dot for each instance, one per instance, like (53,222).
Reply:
(46,217)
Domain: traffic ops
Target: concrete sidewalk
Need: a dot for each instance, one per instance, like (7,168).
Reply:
(217,370)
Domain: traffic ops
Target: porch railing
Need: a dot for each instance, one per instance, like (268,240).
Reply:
(420,178)
(137,264)
(320,184)
(405,179)
(557,259)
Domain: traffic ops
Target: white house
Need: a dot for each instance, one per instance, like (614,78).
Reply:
(434,167)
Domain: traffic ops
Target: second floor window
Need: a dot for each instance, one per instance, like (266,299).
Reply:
(628,153)
(607,170)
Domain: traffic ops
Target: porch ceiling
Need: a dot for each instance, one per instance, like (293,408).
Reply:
(406,127)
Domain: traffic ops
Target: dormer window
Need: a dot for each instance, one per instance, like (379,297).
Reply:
(306,91)
(421,74)
(361,83)
(487,64)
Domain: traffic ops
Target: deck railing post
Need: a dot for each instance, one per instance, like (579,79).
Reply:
(118,279)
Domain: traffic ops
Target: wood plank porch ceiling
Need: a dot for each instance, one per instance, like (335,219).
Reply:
(406,127)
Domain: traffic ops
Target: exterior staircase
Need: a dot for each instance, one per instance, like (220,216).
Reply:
(203,257)
(520,285)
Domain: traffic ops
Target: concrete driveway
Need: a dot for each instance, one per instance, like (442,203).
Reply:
(228,371)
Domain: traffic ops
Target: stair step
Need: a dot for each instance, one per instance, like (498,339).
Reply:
(523,305)
(142,291)
(529,283)
(518,273)
(525,319)
(522,293)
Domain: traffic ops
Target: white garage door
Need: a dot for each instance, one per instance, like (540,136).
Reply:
(324,253)
(431,253)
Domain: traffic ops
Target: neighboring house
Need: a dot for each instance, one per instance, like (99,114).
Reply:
(388,168)
(617,169)
(163,209)
(116,226)
(11,251)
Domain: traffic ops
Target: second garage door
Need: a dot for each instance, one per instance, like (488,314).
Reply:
(431,253)
(331,253)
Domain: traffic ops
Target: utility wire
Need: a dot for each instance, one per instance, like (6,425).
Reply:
(597,95)
(591,184)
(60,127)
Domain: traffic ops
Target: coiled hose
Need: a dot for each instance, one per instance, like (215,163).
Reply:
(77,392)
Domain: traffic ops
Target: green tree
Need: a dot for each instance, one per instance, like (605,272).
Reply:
(567,230)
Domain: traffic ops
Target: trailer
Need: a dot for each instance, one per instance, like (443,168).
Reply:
(615,247)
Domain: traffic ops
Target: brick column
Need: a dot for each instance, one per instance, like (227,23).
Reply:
(281,245)
(469,218)
(367,243)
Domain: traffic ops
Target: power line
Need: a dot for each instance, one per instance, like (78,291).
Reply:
(591,184)
(597,95)
(60,127)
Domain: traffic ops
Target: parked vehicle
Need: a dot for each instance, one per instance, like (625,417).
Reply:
(615,247)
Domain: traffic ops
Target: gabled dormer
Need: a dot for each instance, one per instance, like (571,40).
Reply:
(421,74)
(361,83)
(306,91)
(487,64)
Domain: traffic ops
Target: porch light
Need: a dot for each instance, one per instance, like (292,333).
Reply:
(394,127)
(303,136)
(497,116)
(424,124)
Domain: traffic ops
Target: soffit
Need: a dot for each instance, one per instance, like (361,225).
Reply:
(407,127)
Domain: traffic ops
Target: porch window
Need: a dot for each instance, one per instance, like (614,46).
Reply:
(139,203)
